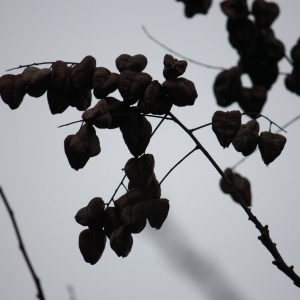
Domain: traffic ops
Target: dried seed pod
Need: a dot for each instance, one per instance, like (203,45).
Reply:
(295,55)
(292,82)
(104,82)
(132,85)
(57,94)
(118,110)
(173,67)
(95,210)
(82,217)
(126,62)
(12,90)
(226,125)
(154,100)
(193,7)
(228,86)
(81,74)
(98,115)
(121,241)
(157,211)
(134,217)
(181,91)
(246,139)
(235,9)
(264,13)
(111,220)
(80,147)
(131,198)
(153,190)
(270,146)
(136,132)
(36,80)
(92,244)
(140,170)
(241,184)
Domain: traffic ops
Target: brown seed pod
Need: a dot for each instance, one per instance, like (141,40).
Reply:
(12,90)
(235,9)
(295,55)
(264,13)
(132,85)
(134,217)
(228,86)
(226,125)
(104,82)
(270,146)
(136,131)
(157,211)
(181,91)
(118,110)
(246,139)
(193,7)
(92,244)
(36,80)
(111,220)
(81,75)
(58,94)
(173,67)
(241,184)
(140,170)
(121,241)
(98,115)
(154,100)
(80,147)
(126,62)
(153,190)
(131,198)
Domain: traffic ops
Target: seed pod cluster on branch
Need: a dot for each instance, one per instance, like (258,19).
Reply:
(245,137)
(259,51)
(129,215)
(72,86)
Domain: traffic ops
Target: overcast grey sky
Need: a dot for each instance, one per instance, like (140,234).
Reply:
(207,248)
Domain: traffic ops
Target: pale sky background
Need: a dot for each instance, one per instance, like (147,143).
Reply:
(207,248)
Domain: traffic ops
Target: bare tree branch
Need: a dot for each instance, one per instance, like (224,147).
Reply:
(40,294)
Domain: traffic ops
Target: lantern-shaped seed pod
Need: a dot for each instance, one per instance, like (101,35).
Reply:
(173,67)
(126,62)
(270,146)
(121,241)
(157,211)
(246,139)
(226,125)
(91,245)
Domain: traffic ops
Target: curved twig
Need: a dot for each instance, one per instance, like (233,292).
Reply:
(40,293)
(37,64)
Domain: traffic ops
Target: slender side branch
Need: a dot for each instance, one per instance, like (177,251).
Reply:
(178,54)
(70,123)
(37,64)
(196,148)
(265,236)
(158,125)
(202,126)
(40,294)
(121,183)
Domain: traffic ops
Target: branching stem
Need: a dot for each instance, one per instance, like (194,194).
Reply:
(264,231)
(40,293)
(37,64)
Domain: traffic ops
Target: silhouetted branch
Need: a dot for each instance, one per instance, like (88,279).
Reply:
(37,64)
(40,294)
(116,190)
(264,230)
(178,164)
(178,54)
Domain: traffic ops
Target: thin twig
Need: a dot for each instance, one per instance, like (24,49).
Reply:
(178,164)
(289,60)
(69,123)
(178,54)
(194,129)
(40,294)
(264,231)
(36,64)
(116,190)
(158,125)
